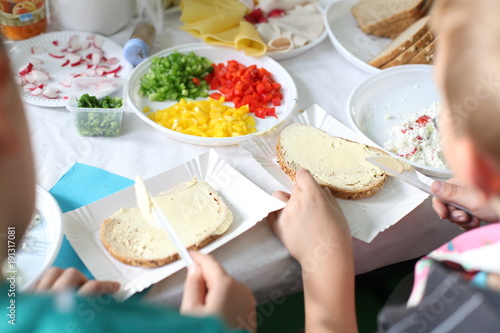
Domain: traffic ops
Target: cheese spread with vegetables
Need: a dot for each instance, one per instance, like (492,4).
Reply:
(417,138)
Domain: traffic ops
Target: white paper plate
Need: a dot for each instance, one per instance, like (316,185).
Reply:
(215,54)
(387,99)
(40,244)
(350,41)
(298,51)
(366,217)
(248,203)
(20,56)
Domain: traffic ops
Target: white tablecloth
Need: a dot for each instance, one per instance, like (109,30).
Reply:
(322,77)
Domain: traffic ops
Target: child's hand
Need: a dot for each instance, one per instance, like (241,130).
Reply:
(57,279)
(209,290)
(466,197)
(311,222)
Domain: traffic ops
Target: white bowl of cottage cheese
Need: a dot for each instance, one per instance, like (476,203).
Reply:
(397,109)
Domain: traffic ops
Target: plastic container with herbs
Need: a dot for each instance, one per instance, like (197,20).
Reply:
(97,105)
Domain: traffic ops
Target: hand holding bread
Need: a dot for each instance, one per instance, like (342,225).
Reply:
(311,220)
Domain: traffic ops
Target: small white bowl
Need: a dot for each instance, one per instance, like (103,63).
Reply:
(387,98)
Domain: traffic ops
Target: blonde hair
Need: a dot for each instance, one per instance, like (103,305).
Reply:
(469,36)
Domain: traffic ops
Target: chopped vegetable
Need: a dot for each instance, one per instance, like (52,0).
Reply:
(250,86)
(172,77)
(87,101)
(207,118)
(99,123)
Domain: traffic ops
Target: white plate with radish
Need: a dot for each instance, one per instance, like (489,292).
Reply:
(46,65)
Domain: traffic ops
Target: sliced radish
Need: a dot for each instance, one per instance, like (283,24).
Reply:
(91,72)
(29,78)
(111,75)
(114,69)
(85,45)
(100,71)
(68,81)
(55,42)
(29,87)
(65,63)
(96,58)
(112,61)
(36,61)
(98,42)
(36,92)
(76,64)
(73,58)
(56,54)
(96,50)
(104,59)
(40,76)
(38,50)
(74,43)
(51,92)
(26,70)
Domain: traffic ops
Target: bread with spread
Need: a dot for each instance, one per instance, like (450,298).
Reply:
(336,163)
(195,210)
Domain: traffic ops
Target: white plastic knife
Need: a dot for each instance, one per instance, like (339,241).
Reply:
(154,215)
(407,173)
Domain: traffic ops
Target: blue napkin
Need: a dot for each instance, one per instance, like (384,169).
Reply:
(80,186)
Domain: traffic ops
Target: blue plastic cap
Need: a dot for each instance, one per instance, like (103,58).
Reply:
(135,51)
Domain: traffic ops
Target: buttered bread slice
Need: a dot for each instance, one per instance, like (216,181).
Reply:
(336,163)
(195,210)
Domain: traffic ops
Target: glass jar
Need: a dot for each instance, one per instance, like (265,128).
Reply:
(22,19)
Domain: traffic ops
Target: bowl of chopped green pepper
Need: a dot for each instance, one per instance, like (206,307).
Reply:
(97,105)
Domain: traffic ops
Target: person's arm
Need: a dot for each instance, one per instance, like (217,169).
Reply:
(466,197)
(315,232)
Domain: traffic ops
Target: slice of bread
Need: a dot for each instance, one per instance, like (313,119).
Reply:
(335,163)
(425,56)
(412,51)
(372,15)
(195,210)
(406,39)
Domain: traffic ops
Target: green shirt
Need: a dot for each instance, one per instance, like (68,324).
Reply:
(65,312)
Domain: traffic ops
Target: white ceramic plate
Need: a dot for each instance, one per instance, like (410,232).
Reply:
(40,244)
(217,55)
(387,98)
(350,41)
(298,51)
(21,54)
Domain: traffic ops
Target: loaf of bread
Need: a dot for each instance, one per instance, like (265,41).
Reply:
(412,51)
(195,210)
(335,163)
(387,18)
(402,42)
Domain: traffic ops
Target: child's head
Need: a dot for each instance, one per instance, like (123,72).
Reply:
(17,178)
(468,75)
